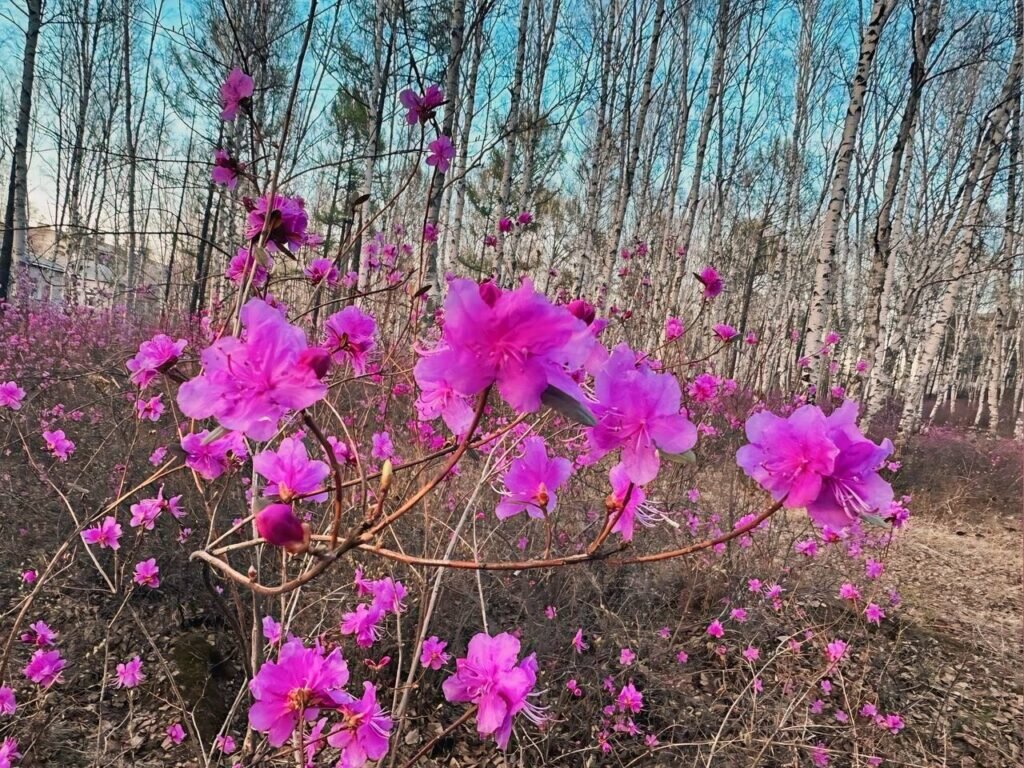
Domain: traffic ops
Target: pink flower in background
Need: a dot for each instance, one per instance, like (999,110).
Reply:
(577,642)
(288,222)
(294,688)
(225,743)
(175,733)
(39,634)
(490,241)
(437,397)
(242,263)
(848,591)
(225,169)
(11,395)
(58,444)
(271,630)
(129,674)
(573,688)
(625,500)
(525,218)
(531,481)
(492,678)
(363,623)
(235,92)
(874,613)
(751,653)
(154,356)
(712,283)
(364,729)
(210,458)
(835,650)
(279,526)
(107,534)
(673,328)
(151,409)
(420,107)
(630,699)
(440,153)
(8,704)
(832,338)
(382,448)
(505,225)
(9,752)
(724,332)
(638,411)
(433,655)
(44,668)
(320,271)
(250,384)
(290,472)
(147,573)
(715,629)
(750,338)
(626,656)
(348,337)
(703,388)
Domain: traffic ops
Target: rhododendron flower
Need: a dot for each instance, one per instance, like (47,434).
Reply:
(293,688)
(250,384)
(630,699)
(750,338)
(151,409)
(129,674)
(738,615)
(440,153)
(363,732)
(39,634)
(44,668)
(58,444)
(874,613)
(225,743)
(712,283)
(420,108)
(573,688)
(437,397)
(154,356)
(703,388)
(673,328)
(626,501)
(724,332)
(242,263)
(29,576)
(363,623)
(9,752)
(210,458)
(175,733)
(751,653)
(147,573)
(626,656)
(638,411)
(235,92)
(524,218)
(505,225)
(225,169)
(835,650)
(288,222)
(322,270)
(382,448)
(8,704)
(107,534)
(577,642)
(531,481)
(492,678)
(271,630)
(348,336)
(433,655)
(11,395)
(279,526)
(290,472)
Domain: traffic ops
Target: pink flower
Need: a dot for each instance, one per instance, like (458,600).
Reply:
(151,409)
(703,388)
(39,634)
(577,642)
(505,225)
(29,576)
(630,699)
(531,481)
(627,502)
(107,534)
(420,108)
(490,241)
(382,448)
(271,630)
(234,93)
(750,338)
(874,613)
(154,356)
(242,263)
(682,657)
(626,656)
(873,569)
(638,411)
(225,743)
(58,444)
(363,624)
(9,752)
(129,674)
(437,396)
(751,653)
(492,678)
(225,169)
(848,591)
(147,573)
(819,755)
(515,339)
(715,629)
(673,328)
(290,473)
(293,688)
(712,283)
(738,615)
(288,221)
(524,218)
(210,458)
(441,153)
(278,525)
(249,385)
(8,704)
(893,723)
(322,270)
(11,395)
(832,338)
(724,332)
(44,668)
(175,733)
(433,655)
(363,732)
(348,337)
(835,650)
(572,687)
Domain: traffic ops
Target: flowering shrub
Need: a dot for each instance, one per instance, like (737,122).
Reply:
(293,455)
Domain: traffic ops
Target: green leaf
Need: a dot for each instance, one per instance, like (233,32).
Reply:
(689,457)
(567,406)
